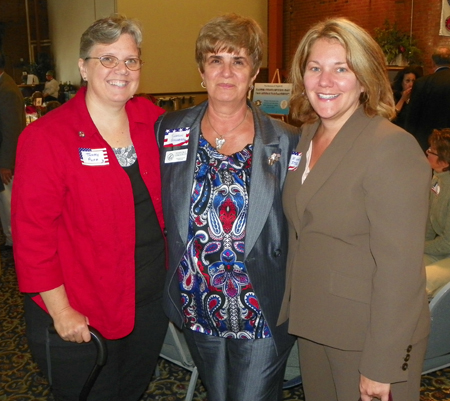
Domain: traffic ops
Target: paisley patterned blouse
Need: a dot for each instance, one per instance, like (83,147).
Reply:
(217,295)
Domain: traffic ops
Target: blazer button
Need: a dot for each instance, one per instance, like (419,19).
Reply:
(277,252)
(165,231)
(405,366)
(407,357)
(409,348)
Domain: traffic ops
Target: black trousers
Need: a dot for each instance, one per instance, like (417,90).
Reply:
(128,370)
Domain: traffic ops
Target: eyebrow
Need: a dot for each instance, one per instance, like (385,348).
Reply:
(217,56)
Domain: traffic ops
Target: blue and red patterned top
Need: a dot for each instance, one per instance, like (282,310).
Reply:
(216,293)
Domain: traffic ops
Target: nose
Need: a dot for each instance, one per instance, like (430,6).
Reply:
(227,70)
(121,68)
(326,78)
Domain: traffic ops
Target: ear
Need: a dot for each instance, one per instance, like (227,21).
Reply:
(254,76)
(81,67)
(201,73)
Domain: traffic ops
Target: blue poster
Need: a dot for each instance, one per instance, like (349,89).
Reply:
(273,98)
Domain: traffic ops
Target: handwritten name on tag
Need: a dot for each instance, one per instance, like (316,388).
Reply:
(294,161)
(176,137)
(93,157)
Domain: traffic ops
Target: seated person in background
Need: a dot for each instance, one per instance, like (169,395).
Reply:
(437,237)
(402,86)
(51,88)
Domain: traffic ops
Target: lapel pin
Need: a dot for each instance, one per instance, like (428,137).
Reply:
(274,157)
(81,134)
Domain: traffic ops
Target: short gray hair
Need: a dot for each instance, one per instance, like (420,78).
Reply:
(108,30)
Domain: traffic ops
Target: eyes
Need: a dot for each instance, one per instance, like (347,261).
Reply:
(235,60)
(337,69)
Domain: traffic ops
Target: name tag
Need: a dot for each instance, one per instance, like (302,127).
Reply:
(175,156)
(294,161)
(93,157)
(176,137)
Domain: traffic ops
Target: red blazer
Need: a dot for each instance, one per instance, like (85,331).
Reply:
(73,223)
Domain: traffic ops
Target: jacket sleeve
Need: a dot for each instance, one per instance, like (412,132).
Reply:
(37,199)
(439,244)
(397,186)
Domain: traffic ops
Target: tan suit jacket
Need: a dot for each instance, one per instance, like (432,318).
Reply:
(355,279)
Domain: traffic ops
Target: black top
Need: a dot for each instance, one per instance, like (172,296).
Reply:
(150,247)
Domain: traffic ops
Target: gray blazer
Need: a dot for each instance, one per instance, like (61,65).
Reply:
(356,238)
(266,232)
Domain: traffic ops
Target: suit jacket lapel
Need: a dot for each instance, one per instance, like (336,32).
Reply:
(262,186)
(331,158)
(183,173)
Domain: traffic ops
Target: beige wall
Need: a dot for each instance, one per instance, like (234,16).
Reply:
(170,30)
(68,19)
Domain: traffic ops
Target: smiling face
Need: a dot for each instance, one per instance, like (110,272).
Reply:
(330,85)
(227,76)
(114,85)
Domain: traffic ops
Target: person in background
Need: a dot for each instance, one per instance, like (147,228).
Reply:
(402,86)
(357,207)
(223,163)
(12,123)
(430,97)
(437,236)
(87,224)
(51,88)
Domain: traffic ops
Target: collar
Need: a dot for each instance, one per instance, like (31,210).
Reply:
(441,68)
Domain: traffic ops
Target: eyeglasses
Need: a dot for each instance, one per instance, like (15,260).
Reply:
(430,152)
(133,64)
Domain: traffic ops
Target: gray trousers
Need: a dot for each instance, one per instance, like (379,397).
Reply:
(238,370)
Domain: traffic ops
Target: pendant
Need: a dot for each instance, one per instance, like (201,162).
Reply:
(219,143)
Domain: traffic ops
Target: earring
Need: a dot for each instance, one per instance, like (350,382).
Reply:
(84,78)
(203,85)
(252,87)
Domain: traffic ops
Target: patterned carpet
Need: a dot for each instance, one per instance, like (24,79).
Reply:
(20,379)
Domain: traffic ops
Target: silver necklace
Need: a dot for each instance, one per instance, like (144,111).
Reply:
(220,140)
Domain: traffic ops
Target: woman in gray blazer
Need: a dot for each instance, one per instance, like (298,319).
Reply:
(356,207)
(223,167)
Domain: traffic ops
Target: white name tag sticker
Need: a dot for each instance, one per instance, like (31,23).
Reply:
(176,137)
(93,157)
(295,161)
(175,156)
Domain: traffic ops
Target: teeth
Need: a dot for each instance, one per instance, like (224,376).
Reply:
(327,97)
(118,83)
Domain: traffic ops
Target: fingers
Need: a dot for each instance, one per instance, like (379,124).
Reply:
(72,326)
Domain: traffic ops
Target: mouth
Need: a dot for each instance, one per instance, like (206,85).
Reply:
(120,84)
(324,96)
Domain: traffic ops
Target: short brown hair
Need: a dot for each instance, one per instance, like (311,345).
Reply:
(364,57)
(230,33)
(108,30)
(440,141)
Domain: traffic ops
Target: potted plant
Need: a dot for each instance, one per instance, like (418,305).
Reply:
(397,45)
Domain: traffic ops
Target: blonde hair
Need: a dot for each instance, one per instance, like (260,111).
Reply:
(230,33)
(364,57)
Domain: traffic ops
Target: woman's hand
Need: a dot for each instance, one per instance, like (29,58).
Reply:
(406,94)
(370,389)
(70,324)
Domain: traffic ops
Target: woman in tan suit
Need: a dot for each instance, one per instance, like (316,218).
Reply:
(356,206)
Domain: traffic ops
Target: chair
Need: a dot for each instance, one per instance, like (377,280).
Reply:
(176,351)
(292,375)
(438,352)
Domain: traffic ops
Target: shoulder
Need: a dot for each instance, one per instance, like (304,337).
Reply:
(264,122)
(185,116)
